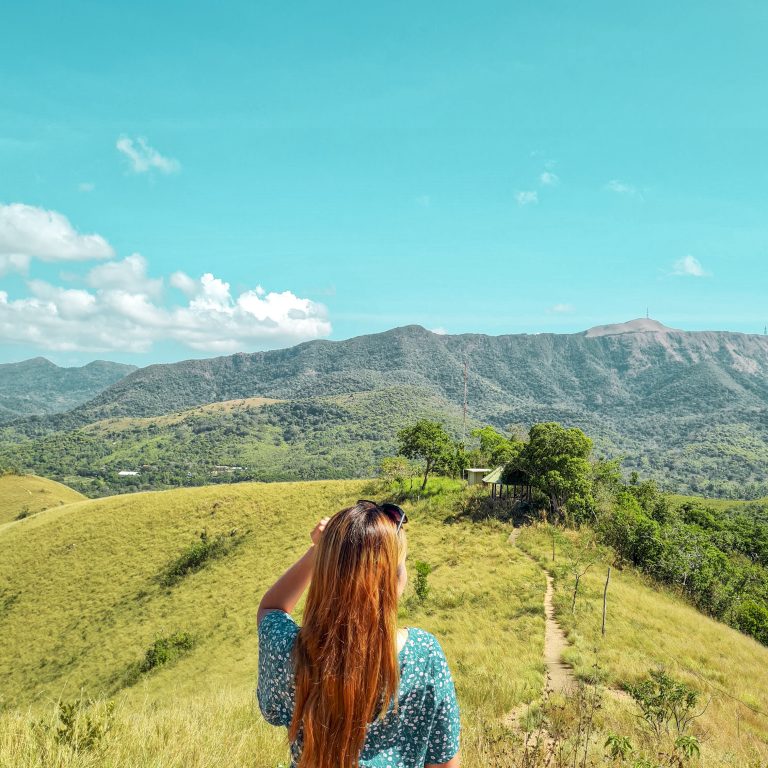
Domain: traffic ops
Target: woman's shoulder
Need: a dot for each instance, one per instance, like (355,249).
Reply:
(425,644)
(277,628)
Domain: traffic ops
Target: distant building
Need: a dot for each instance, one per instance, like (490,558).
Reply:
(474,475)
(127,473)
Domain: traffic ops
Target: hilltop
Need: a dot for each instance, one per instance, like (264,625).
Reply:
(25,495)
(85,582)
(38,386)
(689,409)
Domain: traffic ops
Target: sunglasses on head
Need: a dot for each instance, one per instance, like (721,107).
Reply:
(392,511)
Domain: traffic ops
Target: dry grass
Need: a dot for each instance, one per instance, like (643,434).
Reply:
(92,605)
(648,626)
(31,494)
(123,424)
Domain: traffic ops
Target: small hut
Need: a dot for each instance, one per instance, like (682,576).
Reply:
(475,475)
(516,485)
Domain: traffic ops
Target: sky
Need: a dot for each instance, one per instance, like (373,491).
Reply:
(192,179)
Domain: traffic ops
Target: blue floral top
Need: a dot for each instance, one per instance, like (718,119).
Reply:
(425,728)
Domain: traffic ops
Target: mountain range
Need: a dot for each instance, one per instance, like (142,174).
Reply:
(38,386)
(687,408)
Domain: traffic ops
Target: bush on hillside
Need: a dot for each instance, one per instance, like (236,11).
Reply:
(82,725)
(198,554)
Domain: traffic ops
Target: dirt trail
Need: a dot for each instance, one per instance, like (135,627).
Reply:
(560,676)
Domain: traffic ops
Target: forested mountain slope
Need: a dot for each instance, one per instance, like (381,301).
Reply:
(688,408)
(38,386)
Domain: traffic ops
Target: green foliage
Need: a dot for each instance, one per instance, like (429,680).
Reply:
(198,554)
(23,512)
(751,617)
(82,725)
(556,460)
(311,438)
(495,448)
(426,441)
(717,558)
(619,747)
(665,703)
(421,585)
(395,469)
(165,650)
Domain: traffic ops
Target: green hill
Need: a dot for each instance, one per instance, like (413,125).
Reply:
(689,409)
(38,386)
(263,439)
(85,595)
(25,495)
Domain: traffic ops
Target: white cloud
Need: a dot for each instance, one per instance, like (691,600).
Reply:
(184,283)
(549,179)
(13,262)
(86,186)
(120,313)
(561,309)
(620,187)
(689,266)
(27,233)
(128,275)
(526,197)
(144,158)
(440,331)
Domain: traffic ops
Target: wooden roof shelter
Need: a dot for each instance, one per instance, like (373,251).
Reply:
(517,485)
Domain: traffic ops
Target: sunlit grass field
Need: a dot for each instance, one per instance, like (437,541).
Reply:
(649,626)
(29,494)
(82,603)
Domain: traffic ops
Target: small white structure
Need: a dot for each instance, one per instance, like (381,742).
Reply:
(475,475)
(127,473)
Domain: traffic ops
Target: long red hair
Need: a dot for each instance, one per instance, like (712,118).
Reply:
(347,671)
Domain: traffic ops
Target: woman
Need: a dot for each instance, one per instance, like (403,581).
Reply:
(352,689)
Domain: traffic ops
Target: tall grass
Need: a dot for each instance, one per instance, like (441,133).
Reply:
(648,627)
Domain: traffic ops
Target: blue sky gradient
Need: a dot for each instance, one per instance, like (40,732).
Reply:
(498,168)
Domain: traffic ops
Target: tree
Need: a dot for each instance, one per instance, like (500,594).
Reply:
(395,469)
(495,448)
(557,461)
(426,441)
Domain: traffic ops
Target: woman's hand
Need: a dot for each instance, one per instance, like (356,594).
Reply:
(318,531)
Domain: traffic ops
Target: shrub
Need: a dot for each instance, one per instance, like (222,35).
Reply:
(23,512)
(82,725)
(198,554)
(752,618)
(167,649)
(664,702)
(421,586)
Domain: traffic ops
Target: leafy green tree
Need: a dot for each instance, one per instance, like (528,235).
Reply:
(495,448)
(557,461)
(426,441)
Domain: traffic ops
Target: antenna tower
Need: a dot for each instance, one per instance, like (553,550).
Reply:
(464,427)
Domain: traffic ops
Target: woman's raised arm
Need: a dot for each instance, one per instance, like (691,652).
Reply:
(288,589)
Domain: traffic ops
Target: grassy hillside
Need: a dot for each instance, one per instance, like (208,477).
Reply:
(24,495)
(263,439)
(649,626)
(82,620)
(94,605)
